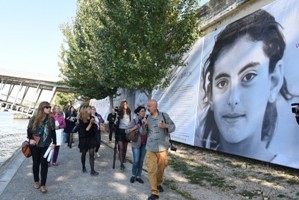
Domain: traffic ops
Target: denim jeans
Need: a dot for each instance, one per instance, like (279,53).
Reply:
(138,158)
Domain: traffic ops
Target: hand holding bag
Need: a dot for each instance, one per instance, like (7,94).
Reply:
(132,136)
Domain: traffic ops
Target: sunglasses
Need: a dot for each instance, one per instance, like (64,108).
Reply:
(47,107)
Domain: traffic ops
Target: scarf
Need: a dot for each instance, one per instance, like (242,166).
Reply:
(43,130)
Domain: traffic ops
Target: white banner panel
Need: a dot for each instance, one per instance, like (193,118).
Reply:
(248,82)
(179,98)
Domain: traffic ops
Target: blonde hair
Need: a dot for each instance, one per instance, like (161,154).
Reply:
(59,110)
(83,115)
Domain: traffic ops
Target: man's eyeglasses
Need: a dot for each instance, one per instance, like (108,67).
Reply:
(47,107)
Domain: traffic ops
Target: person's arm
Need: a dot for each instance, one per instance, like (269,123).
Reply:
(144,128)
(67,116)
(101,119)
(131,127)
(62,122)
(169,124)
(30,131)
(29,128)
(53,136)
(109,118)
(81,128)
(92,121)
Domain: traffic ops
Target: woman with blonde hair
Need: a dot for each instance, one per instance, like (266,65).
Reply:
(41,133)
(87,137)
(59,124)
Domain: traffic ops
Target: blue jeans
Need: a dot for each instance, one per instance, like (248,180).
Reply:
(138,158)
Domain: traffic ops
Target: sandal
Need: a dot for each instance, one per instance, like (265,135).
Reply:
(43,189)
(36,185)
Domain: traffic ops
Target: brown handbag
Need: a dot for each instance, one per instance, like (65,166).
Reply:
(132,136)
(25,149)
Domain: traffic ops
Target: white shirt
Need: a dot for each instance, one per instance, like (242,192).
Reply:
(124,122)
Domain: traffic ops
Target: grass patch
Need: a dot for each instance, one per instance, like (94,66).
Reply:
(292,182)
(249,195)
(282,196)
(197,174)
(171,184)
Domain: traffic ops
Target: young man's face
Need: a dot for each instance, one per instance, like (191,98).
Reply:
(240,90)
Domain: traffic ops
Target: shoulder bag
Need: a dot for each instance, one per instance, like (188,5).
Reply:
(25,149)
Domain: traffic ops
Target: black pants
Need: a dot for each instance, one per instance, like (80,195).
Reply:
(99,139)
(39,160)
(111,130)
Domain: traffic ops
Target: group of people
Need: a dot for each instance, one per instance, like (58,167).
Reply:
(152,140)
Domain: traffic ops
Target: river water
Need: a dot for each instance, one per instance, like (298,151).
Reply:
(12,134)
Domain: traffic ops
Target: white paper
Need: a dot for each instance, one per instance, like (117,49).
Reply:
(48,151)
(59,137)
(50,155)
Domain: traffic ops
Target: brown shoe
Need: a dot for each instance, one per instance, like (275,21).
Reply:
(43,189)
(36,185)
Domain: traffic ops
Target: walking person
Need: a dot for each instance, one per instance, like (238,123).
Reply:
(138,147)
(111,119)
(99,121)
(70,119)
(157,127)
(59,124)
(123,120)
(41,133)
(87,137)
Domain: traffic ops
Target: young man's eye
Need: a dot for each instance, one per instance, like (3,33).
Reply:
(248,77)
(222,84)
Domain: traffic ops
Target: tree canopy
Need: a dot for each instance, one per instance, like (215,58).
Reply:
(126,44)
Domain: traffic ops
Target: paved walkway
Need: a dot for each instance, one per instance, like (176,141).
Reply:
(68,182)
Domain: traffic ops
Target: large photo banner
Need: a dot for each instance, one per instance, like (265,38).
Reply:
(248,81)
(180,97)
(235,93)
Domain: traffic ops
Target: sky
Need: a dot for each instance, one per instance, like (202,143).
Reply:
(30,37)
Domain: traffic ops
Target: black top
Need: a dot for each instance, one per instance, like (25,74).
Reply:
(111,118)
(51,137)
(82,129)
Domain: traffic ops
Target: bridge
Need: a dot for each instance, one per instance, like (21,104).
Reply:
(16,87)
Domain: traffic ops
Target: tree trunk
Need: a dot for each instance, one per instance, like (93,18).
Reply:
(111,101)
(150,94)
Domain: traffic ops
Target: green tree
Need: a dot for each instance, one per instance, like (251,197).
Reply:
(126,44)
(78,69)
(64,99)
(143,40)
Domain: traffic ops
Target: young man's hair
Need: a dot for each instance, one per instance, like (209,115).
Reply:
(258,26)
